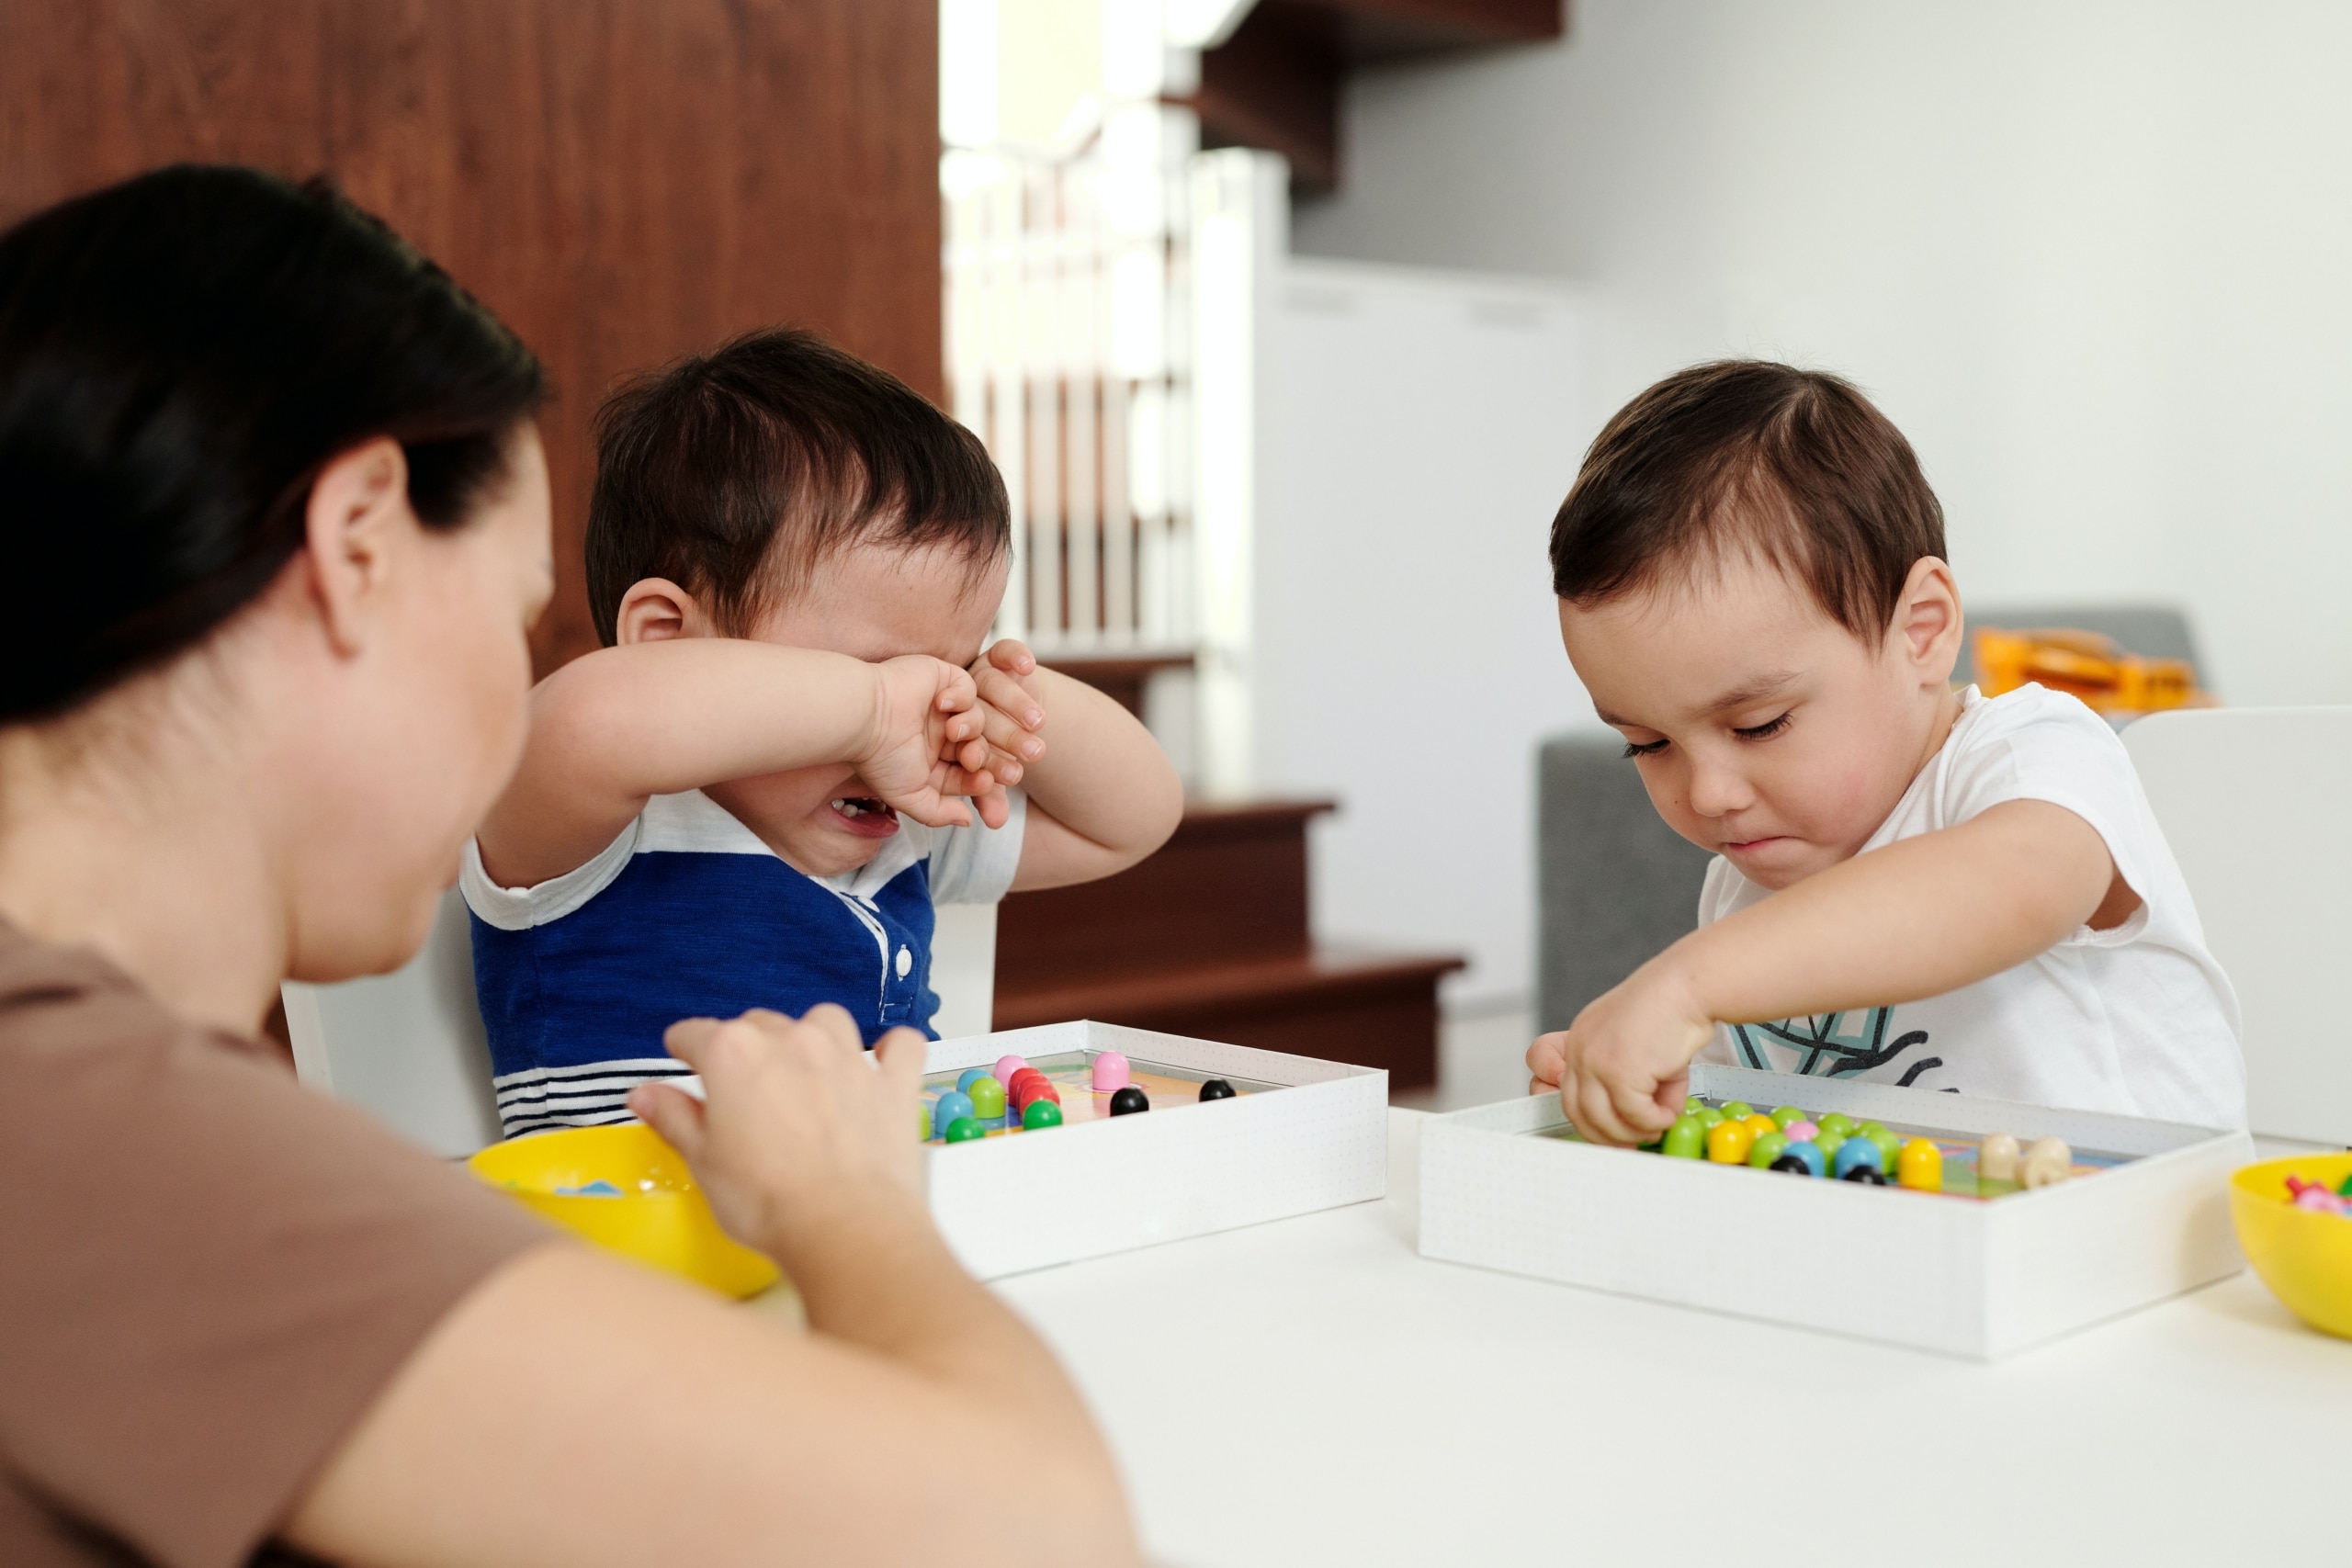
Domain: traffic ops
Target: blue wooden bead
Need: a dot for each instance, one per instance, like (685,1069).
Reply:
(967,1077)
(1810,1153)
(948,1107)
(1856,1152)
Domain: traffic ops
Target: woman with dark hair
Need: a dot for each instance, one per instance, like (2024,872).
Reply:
(278,520)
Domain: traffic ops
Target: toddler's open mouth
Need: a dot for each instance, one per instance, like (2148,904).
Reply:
(865,817)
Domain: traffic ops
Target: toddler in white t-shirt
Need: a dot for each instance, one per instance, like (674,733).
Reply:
(1913,884)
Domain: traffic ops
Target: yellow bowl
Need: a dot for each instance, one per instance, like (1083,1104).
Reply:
(2305,1259)
(660,1216)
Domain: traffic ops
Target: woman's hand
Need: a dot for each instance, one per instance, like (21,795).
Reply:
(804,1141)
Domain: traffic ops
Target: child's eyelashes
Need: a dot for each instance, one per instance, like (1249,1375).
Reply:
(1764,731)
(1644,749)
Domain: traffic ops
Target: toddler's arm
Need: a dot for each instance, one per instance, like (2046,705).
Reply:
(1914,918)
(1102,796)
(613,727)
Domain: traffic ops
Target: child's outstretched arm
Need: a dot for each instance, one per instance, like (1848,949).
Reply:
(1914,918)
(613,727)
(1101,793)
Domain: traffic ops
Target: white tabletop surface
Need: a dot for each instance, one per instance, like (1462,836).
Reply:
(1313,1391)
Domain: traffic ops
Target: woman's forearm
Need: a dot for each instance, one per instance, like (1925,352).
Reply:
(1914,918)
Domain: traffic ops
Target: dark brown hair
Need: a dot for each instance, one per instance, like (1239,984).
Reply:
(1794,465)
(180,354)
(735,473)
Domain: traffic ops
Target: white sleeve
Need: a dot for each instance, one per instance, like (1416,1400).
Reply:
(520,909)
(976,864)
(2048,746)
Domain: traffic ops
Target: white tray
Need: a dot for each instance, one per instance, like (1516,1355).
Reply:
(1033,1199)
(1965,1278)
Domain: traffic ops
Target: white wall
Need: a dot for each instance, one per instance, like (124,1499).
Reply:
(1415,432)
(2096,260)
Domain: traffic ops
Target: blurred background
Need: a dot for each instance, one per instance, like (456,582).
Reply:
(1288,321)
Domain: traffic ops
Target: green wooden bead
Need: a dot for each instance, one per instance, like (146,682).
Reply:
(1687,1139)
(1838,1121)
(1709,1115)
(1889,1145)
(1767,1149)
(963,1130)
(922,1120)
(1829,1142)
(1693,1104)
(1042,1114)
(1782,1115)
(1739,1110)
(988,1099)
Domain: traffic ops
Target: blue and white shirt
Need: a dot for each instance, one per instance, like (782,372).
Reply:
(687,914)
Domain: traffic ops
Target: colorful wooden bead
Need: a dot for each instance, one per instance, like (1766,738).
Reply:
(1828,1142)
(967,1077)
(2046,1161)
(1687,1139)
(1997,1158)
(1807,1153)
(949,1106)
(1920,1166)
(1042,1114)
(1693,1104)
(1216,1089)
(1710,1116)
(1888,1144)
(1786,1116)
(1006,1065)
(1761,1124)
(922,1120)
(1866,1174)
(988,1098)
(1793,1166)
(1128,1100)
(1110,1073)
(1853,1152)
(963,1130)
(1837,1121)
(1728,1142)
(1769,1146)
(1739,1110)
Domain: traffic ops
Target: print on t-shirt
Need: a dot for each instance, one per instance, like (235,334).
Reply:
(1816,1047)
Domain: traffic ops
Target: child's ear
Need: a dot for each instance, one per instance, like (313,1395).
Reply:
(655,610)
(1929,620)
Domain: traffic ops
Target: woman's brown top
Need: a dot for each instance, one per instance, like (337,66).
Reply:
(207,1273)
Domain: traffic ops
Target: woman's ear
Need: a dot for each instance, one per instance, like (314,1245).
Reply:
(356,520)
(655,610)
(1930,621)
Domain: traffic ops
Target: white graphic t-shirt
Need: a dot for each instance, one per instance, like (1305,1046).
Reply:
(2139,1020)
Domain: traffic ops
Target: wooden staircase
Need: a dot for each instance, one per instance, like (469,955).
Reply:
(1209,938)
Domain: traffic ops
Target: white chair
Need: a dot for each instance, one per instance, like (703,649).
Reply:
(409,1046)
(2249,798)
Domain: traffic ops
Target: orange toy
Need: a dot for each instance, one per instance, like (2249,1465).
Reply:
(2090,666)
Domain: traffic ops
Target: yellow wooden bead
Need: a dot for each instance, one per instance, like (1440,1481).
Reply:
(1761,1124)
(1728,1142)
(1920,1166)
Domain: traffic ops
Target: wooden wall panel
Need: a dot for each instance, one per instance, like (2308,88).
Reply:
(622,180)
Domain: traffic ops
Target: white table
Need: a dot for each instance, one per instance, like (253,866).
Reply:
(1315,1392)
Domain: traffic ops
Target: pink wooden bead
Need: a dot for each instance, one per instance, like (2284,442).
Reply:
(1006,1065)
(1802,1131)
(1110,1071)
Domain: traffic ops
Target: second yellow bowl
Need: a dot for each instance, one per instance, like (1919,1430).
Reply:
(2305,1259)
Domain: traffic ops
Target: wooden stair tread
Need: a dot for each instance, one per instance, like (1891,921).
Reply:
(1322,976)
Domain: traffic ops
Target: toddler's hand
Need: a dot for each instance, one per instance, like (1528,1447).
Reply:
(924,728)
(1623,1067)
(803,1142)
(1009,708)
